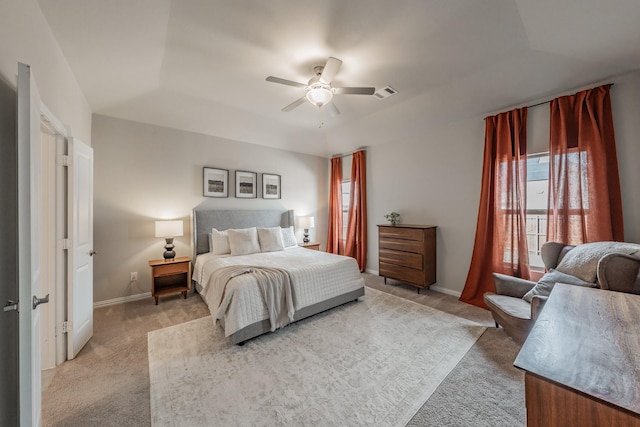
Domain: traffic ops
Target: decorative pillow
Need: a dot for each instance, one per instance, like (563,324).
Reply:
(243,241)
(582,261)
(289,237)
(219,242)
(270,239)
(548,281)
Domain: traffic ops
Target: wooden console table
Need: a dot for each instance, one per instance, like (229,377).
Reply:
(581,360)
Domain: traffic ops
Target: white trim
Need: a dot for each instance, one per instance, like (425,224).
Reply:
(432,287)
(445,291)
(121,300)
(52,122)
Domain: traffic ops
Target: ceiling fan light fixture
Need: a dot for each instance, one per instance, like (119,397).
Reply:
(319,95)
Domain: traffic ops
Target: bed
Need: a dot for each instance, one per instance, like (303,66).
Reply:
(319,281)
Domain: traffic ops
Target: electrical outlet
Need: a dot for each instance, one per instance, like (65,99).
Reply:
(134,276)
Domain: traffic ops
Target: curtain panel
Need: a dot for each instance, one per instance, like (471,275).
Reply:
(335,242)
(356,245)
(500,242)
(585,202)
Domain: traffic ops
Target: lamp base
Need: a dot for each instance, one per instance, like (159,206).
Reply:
(169,253)
(306,236)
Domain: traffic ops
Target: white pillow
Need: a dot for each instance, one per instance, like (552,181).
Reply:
(243,241)
(270,239)
(219,242)
(289,237)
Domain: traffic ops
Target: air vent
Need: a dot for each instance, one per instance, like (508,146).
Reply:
(385,92)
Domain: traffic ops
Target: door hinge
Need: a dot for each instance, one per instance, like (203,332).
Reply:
(67,327)
(65,160)
(65,244)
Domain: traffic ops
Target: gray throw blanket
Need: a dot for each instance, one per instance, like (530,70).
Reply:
(274,285)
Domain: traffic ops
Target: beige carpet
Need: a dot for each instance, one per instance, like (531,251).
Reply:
(373,362)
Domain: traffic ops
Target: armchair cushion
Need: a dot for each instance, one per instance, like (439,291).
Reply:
(546,283)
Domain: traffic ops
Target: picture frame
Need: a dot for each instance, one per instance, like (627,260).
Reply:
(271,184)
(215,182)
(246,185)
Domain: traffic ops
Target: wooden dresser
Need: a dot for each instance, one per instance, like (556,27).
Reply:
(581,360)
(408,253)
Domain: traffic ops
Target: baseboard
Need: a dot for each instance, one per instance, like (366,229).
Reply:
(445,291)
(121,300)
(432,287)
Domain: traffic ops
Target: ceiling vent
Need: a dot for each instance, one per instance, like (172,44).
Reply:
(385,92)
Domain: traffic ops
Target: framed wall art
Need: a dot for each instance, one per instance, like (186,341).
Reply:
(216,182)
(246,185)
(270,186)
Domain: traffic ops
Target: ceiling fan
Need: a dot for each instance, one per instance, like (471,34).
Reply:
(319,91)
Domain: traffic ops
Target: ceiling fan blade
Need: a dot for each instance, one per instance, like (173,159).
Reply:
(354,90)
(294,104)
(330,69)
(284,82)
(333,109)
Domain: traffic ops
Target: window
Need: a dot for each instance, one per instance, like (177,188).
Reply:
(537,203)
(346,195)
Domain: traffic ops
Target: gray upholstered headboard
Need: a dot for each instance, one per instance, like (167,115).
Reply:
(206,219)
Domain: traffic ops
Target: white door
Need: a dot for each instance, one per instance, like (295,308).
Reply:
(80,226)
(29,227)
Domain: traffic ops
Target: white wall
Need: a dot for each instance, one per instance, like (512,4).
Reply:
(26,37)
(433,177)
(145,172)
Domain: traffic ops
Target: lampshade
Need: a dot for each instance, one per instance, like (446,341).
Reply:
(319,95)
(305,222)
(169,228)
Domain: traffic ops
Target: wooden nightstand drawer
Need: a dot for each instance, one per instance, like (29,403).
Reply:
(311,245)
(167,269)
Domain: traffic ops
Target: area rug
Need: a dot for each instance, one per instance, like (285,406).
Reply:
(371,362)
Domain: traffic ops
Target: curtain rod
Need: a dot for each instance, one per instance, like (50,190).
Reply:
(348,154)
(547,102)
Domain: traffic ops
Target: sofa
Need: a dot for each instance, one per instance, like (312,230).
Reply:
(516,302)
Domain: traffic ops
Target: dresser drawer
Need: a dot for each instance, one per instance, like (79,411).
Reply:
(402,245)
(401,273)
(401,233)
(406,259)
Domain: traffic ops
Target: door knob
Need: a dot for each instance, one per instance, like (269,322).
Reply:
(37,301)
(92,252)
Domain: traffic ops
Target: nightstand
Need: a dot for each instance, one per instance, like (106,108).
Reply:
(170,277)
(311,245)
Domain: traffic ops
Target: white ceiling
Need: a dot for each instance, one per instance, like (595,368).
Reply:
(200,65)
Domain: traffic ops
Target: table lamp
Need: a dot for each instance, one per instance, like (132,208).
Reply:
(169,230)
(305,222)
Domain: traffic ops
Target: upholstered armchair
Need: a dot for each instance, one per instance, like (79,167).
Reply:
(516,302)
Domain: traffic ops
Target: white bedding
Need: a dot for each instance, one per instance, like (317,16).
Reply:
(315,276)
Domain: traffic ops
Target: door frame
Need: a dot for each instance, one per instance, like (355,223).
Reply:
(56,173)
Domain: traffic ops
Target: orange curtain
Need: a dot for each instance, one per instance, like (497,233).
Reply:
(500,242)
(335,242)
(585,203)
(356,245)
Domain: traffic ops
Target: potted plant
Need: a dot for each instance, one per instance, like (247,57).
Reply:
(393,218)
